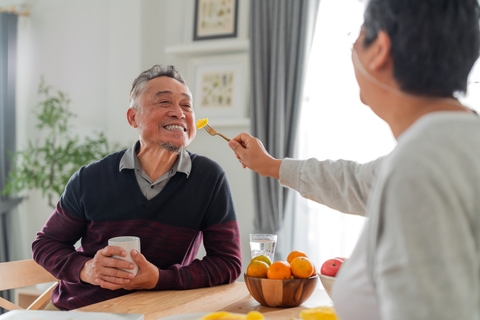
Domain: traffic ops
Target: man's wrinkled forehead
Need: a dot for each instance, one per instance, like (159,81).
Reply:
(169,92)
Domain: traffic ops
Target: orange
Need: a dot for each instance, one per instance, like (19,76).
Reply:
(257,269)
(325,313)
(225,315)
(314,272)
(263,258)
(255,315)
(279,270)
(216,315)
(295,253)
(301,267)
(201,123)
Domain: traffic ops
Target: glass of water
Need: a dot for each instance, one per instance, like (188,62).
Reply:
(263,244)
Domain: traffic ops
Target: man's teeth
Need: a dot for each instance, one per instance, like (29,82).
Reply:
(174,127)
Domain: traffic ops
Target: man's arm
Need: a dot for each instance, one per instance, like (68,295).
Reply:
(221,265)
(53,248)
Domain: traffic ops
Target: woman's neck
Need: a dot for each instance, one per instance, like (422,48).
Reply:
(404,112)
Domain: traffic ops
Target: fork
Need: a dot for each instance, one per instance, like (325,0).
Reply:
(214,132)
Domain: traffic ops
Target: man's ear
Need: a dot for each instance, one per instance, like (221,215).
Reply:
(381,55)
(131,117)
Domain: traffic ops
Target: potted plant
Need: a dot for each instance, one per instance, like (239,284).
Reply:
(48,162)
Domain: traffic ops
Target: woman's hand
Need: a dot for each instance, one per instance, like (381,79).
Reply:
(252,154)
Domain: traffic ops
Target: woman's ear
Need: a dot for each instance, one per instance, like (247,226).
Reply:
(131,116)
(381,55)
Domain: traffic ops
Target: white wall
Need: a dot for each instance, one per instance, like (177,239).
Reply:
(93,50)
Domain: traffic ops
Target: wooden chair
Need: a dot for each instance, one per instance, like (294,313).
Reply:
(24,273)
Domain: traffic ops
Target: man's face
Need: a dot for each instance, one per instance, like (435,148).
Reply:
(164,114)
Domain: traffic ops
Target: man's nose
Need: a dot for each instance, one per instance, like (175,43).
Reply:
(177,111)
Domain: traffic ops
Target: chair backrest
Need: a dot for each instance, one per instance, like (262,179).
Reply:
(24,273)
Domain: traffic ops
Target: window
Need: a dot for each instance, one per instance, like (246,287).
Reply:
(472,98)
(336,125)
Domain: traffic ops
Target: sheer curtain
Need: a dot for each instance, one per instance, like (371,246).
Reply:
(334,124)
(472,98)
(280,37)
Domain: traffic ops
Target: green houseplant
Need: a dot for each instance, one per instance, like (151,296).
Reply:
(47,163)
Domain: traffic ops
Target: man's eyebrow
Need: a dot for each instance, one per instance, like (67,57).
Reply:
(159,93)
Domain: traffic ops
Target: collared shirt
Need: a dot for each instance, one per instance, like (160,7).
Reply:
(150,189)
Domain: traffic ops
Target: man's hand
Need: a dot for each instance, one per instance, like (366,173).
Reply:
(104,270)
(252,154)
(147,276)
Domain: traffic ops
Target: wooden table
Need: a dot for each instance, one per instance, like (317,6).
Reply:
(231,297)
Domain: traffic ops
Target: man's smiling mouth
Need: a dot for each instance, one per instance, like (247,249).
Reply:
(175,127)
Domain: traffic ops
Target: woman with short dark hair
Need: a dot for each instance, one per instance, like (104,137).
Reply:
(419,254)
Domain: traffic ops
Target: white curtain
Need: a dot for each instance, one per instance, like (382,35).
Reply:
(472,98)
(280,37)
(334,124)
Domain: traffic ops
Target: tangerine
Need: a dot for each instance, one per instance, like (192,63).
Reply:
(301,267)
(294,254)
(325,313)
(257,269)
(216,315)
(263,258)
(255,315)
(225,315)
(314,272)
(201,123)
(279,270)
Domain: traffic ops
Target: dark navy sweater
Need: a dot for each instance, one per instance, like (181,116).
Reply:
(100,202)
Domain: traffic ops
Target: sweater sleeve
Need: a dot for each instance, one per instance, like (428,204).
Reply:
(54,246)
(341,185)
(221,265)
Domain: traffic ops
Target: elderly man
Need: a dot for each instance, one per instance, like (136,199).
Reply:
(156,190)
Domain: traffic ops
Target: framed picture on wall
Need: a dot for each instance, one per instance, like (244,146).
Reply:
(215,19)
(219,86)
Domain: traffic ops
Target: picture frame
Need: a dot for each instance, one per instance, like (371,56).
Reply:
(219,86)
(215,19)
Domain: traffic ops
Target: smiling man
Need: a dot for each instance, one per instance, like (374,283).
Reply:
(156,190)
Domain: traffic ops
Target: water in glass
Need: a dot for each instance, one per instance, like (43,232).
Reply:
(263,246)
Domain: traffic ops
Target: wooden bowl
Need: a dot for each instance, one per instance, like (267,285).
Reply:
(327,283)
(281,293)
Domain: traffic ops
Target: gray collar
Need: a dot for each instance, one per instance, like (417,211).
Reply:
(130,161)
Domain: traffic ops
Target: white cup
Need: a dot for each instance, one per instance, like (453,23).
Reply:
(128,243)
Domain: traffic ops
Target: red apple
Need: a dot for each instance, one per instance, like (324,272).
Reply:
(331,267)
